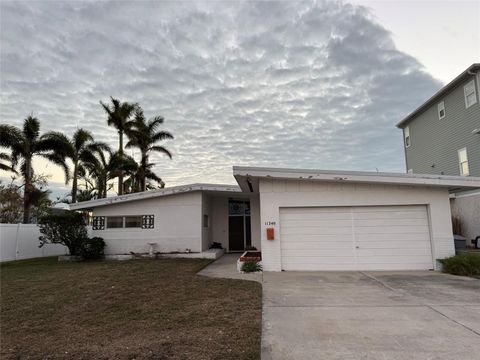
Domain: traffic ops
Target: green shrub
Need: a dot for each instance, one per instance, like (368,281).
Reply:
(92,249)
(464,264)
(67,228)
(251,266)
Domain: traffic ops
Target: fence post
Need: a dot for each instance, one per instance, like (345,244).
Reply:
(16,241)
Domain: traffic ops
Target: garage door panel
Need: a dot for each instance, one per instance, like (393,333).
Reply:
(389,215)
(406,259)
(318,245)
(389,222)
(313,230)
(318,216)
(300,260)
(317,223)
(392,237)
(387,237)
(383,244)
(316,267)
(319,252)
(394,252)
(413,229)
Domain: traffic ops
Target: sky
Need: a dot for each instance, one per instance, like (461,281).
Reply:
(301,84)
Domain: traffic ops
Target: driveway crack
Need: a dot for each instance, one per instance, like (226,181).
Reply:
(453,320)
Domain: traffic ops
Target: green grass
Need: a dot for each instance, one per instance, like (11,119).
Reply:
(144,309)
(464,264)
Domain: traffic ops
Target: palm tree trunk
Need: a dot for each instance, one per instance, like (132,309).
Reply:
(143,171)
(120,152)
(27,191)
(74,183)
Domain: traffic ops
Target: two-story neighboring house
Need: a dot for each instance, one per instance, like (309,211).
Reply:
(442,136)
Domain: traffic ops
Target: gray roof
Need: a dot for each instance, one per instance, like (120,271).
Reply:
(440,93)
(247,178)
(153,194)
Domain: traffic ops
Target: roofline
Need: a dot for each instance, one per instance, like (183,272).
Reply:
(453,183)
(472,68)
(181,189)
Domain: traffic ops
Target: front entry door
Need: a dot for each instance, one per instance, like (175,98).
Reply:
(239,231)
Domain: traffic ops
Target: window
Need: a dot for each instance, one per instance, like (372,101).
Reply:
(470,94)
(133,221)
(406,134)
(126,222)
(206,221)
(114,222)
(441,110)
(463,162)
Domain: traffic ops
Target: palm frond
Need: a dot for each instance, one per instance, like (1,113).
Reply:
(161,149)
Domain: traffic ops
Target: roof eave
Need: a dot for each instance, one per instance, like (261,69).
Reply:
(182,189)
(453,183)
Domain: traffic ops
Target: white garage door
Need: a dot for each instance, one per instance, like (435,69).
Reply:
(355,238)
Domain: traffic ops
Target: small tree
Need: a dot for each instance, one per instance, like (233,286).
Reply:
(67,229)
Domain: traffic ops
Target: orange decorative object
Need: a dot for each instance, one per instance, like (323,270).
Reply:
(270,234)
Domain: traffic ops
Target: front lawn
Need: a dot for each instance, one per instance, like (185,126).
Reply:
(145,309)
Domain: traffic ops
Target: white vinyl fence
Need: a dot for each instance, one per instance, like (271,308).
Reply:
(20,241)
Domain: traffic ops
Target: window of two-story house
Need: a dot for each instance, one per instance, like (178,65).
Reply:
(463,162)
(441,110)
(406,134)
(470,94)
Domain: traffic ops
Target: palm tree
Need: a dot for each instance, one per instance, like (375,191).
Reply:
(25,144)
(138,176)
(6,167)
(81,148)
(119,114)
(144,135)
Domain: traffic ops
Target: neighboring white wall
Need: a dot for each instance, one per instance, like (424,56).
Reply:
(177,224)
(275,194)
(206,231)
(468,209)
(219,220)
(255,220)
(20,241)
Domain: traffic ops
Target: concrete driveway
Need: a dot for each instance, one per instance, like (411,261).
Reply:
(370,315)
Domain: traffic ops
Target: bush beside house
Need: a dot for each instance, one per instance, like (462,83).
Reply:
(69,229)
(463,264)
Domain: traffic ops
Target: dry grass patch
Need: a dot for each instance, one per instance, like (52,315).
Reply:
(147,309)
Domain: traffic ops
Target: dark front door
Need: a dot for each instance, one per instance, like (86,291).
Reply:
(236,233)
(239,232)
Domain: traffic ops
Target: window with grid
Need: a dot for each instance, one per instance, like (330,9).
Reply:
(470,94)
(463,162)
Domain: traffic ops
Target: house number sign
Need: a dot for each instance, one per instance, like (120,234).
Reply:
(270,223)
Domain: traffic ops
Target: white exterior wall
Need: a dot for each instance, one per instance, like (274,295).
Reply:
(178,224)
(467,207)
(275,194)
(219,220)
(20,241)
(206,231)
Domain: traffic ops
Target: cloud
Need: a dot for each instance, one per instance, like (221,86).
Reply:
(312,84)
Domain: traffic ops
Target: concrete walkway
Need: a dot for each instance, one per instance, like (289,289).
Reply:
(226,267)
(370,315)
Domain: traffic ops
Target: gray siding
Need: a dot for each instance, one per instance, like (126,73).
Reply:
(436,142)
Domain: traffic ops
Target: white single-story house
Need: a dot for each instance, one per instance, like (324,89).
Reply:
(298,219)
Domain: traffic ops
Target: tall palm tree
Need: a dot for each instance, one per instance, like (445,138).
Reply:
(145,135)
(119,116)
(136,176)
(25,144)
(102,166)
(81,148)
